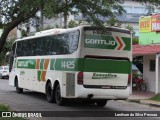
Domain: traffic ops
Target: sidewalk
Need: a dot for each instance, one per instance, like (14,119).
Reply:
(143,98)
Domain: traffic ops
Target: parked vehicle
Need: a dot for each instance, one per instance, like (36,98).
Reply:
(139,83)
(4,71)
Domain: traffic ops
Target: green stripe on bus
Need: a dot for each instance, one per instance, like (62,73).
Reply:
(39,75)
(69,64)
(52,64)
(42,64)
(26,63)
(80,64)
(100,41)
(108,66)
(127,42)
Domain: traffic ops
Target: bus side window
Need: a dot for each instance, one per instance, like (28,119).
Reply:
(33,52)
(19,49)
(13,48)
(53,45)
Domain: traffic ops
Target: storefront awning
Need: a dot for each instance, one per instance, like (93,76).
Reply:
(145,49)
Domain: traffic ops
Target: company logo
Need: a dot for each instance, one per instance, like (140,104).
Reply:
(103,75)
(22,63)
(22,72)
(100,42)
(105,42)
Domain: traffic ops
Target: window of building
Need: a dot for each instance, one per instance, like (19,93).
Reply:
(152,65)
(157,11)
(128,9)
(141,10)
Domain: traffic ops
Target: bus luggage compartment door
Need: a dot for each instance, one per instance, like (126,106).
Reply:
(106,73)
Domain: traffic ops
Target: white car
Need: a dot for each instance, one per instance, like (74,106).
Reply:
(4,71)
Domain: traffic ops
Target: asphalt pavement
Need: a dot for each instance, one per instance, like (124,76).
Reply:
(33,101)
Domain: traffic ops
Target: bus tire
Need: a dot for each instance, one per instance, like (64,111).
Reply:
(49,93)
(18,89)
(101,103)
(58,98)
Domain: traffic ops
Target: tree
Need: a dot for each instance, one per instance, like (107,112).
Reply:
(14,12)
(91,9)
(6,48)
(113,21)
(135,40)
(129,27)
(72,24)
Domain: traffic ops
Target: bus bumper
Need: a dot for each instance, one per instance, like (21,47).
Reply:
(116,94)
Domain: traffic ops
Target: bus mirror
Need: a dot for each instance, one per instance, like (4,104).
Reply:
(7,56)
(11,59)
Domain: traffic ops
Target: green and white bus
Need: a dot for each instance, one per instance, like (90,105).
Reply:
(85,62)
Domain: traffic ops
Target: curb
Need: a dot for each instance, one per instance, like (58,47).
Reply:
(135,101)
(144,103)
(150,104)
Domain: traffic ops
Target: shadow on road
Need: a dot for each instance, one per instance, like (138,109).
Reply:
(69,103)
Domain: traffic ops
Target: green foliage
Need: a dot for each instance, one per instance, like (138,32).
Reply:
(113,22)
(150,9)
(156,98)
(4,107)
(15,12)
(151,2)
(90,9)
(6,48)
(135,40)
(48,27)
(72,24)
(130,27)
(57,26)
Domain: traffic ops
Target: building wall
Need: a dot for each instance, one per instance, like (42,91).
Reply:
(134,7)
(148,75)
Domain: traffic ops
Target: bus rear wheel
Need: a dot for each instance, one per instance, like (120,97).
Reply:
(18,89)
(58,97)
(101,103)
(50,93)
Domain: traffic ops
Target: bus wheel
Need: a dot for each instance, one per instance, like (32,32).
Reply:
(58,98)
(101,103)
(18,89)
(49,93)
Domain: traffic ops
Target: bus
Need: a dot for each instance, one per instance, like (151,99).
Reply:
(84,63)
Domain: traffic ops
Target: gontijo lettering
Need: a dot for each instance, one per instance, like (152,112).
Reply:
(100,41)
(22,63)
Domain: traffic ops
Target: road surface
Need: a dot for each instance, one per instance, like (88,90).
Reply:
(33,101)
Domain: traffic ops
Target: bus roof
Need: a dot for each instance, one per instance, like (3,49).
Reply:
(59,30)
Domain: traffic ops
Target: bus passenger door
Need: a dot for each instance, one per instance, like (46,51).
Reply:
(12,65)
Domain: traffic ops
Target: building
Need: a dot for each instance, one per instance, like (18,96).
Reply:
(149,48)
(133,9)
